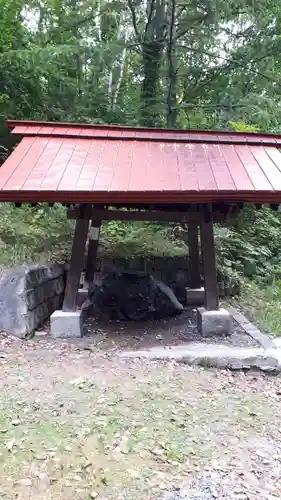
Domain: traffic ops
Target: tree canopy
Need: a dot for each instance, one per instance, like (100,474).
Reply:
(175,63)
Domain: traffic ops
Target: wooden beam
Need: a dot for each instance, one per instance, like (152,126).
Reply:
(193,250)
(209,259)
(92,250)
(154,215)
(125,215)
(77,260)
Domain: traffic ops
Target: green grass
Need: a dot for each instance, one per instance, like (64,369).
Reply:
(262,305)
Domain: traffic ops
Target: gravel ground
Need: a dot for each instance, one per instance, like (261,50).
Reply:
(174,331)
(79,423)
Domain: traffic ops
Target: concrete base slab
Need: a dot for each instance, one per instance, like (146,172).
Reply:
(264,340)
(214,322)
(214,356)
(195,296)
(65,325)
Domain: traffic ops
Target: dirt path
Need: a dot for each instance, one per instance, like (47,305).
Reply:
(81,424)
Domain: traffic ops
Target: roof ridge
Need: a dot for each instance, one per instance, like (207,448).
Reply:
(13,124)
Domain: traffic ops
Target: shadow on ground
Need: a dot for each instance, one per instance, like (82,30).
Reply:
(179,330)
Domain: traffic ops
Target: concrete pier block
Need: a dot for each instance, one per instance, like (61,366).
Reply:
(195,296)
(81,296)
(214,323)
(65,325)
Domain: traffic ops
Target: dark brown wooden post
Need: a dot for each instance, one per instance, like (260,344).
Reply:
(193,250)
(92,251)
(77,259)
(209,259)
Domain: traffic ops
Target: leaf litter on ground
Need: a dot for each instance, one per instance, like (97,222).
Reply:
(136,430)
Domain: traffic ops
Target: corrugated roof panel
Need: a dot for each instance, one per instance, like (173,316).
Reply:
(253,169)
(47,130)
(15,158)
(268,166)
(20,129)
(205,175)
(57,168)
(149,134)
(170,166)
(154,178)
(77,131)
(34,130)
(128,165)
(121,175)
(236,168)
(275,155)
(220,168)
(94,158)
(19,176)
(87,132)
(272,140)
(106,167)
(139,160)
(57,130)
(75,166)
(42,166)
(187,168)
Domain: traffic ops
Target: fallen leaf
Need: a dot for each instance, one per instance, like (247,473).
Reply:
(10,444)
(86,465)
(133,473)
(124,448)
(23,482)
(94,494)
(43,456)
(16,422)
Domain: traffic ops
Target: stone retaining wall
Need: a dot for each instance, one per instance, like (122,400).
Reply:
(172,270)
(28,296)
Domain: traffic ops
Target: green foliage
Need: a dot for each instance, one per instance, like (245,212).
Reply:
(251,246)
(261,305)
(140,238)
(29,234)
(32,234)
(243,127)
(203,64)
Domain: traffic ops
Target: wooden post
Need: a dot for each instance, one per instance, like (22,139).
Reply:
(193,250)
(209,259)
(77,260)
(92,251)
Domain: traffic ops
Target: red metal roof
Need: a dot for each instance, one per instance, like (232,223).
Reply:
(111,164)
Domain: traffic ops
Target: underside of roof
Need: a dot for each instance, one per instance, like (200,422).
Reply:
(71,163)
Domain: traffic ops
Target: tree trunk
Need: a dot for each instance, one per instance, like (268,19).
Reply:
(172,74)
(152,55)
